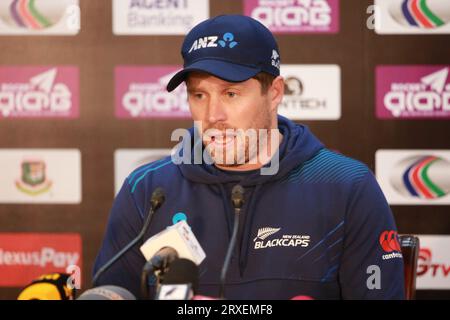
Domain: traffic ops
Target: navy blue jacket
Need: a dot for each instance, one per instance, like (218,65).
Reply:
(320,227)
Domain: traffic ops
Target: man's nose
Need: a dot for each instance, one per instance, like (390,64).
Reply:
(216,110)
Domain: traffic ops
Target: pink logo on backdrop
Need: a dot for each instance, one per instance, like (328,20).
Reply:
(295,16)
(141,93)
(39,92)
(413,92)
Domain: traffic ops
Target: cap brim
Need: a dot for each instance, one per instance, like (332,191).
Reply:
(221,69)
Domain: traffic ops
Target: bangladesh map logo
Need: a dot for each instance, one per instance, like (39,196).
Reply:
(33,14)
(424,14)
(424,177)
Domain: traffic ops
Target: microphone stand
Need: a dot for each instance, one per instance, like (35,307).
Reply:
(157,200)
(237,198)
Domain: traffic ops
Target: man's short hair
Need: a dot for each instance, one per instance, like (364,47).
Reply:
(265,79)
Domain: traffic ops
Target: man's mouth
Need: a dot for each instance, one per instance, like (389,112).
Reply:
(222,140)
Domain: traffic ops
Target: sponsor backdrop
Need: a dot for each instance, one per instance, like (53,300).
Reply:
(82,103)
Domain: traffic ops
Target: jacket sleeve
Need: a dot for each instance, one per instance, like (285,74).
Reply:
(371,265)
(125,223)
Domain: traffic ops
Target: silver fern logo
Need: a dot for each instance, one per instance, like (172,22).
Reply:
(264,233)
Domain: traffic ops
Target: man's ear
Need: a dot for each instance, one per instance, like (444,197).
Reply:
(276,92)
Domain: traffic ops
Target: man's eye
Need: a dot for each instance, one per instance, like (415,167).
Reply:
(198,95)
(231,94)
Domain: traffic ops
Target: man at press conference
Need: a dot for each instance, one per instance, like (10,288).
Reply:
(313,222)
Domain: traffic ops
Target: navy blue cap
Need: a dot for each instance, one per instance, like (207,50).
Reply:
(231,47)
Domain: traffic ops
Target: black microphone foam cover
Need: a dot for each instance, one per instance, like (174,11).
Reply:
(182,271)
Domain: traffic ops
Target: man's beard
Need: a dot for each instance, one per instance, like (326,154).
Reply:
(244,145)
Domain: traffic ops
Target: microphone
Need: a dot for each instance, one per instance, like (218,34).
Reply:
(107,293)
(156,202)
(49,287)
(176,241)
(237,196)
(179,237)
(160,261)
(237,199)
(180,282)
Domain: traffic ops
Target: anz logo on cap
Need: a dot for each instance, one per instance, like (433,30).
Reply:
(211,42)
